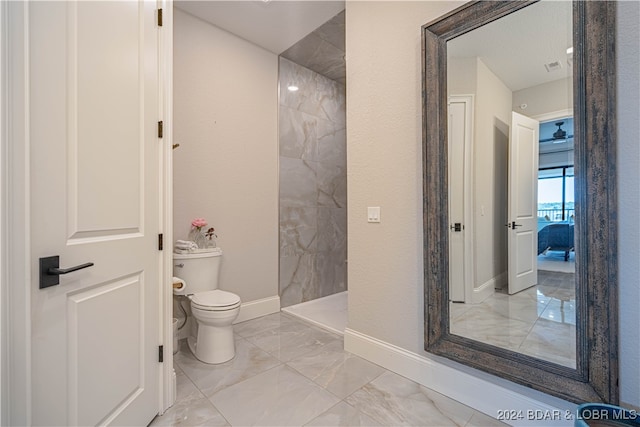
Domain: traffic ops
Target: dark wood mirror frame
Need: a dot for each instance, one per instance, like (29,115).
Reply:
(595,378)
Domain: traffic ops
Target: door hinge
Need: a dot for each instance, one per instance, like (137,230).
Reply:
(160,242)
(159,17)
(161,353)
(160,129)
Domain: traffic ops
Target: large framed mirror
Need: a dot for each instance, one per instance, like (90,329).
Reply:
(519,131)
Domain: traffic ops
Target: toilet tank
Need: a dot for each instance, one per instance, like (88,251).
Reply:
(200,270)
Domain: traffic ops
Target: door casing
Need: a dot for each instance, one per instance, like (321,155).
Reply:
(465,260)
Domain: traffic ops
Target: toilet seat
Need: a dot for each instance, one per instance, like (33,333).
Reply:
(216,300)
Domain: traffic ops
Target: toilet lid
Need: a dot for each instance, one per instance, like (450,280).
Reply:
(215,298)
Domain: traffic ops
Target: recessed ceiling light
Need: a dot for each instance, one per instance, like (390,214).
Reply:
(292,88)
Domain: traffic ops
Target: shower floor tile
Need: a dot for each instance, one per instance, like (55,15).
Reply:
(329,312)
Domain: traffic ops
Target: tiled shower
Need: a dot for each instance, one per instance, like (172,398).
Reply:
(313,182)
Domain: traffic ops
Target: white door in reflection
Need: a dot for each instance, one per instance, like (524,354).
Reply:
(523,206)
(460,136)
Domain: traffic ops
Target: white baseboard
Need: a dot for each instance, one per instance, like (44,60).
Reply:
(475,391)
(258,308)
(488,288)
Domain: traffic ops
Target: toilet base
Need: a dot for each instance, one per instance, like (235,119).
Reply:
(214,345)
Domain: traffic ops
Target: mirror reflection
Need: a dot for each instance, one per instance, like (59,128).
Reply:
(511,196)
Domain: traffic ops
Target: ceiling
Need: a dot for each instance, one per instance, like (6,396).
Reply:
(274,25)
(536,35)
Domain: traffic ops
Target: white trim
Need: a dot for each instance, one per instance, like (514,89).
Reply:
(554,115)
(469,253)
(469,196)
(16,205)
(480,391)
(488,288)
(258,308)
(167,392)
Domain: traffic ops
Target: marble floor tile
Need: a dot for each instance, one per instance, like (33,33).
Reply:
(517,307)
(290,341)
(186,390)
(457,309)
(343,415)
(481,420)
(249,361)
(263,324)
(277,397)
(551,341)
(560,311)
(393,400)
(481,323)
(255,388)
(336,370)
(198,412)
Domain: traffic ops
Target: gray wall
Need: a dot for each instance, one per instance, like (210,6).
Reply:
(225,170)
(491,121)
(313,186)
(628,39)
(385,169)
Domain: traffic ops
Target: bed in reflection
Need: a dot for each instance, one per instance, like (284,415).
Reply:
(555,236)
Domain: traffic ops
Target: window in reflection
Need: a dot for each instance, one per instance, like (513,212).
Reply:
(555,194)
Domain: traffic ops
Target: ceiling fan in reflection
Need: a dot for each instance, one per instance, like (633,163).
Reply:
(559,136)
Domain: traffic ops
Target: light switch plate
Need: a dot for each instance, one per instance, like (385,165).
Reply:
(373,214)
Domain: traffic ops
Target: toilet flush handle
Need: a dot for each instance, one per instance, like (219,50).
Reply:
(179,265)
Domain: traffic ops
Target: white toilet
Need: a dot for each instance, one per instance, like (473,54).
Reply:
(214,310)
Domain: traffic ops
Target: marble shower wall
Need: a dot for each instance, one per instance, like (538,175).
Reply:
(313,185)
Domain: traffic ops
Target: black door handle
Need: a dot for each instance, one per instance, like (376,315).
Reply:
(457,227)
(55,271)
(512,225)
(50,270)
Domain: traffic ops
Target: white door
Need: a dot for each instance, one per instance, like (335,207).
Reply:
(95,181)
(523,203)
(459,131)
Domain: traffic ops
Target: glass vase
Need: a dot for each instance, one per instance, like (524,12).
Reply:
(210,241)
(196,235)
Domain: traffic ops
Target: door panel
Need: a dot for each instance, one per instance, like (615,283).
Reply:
(523,201)
(95,395)
(105,138)
(95,182)
(457,138)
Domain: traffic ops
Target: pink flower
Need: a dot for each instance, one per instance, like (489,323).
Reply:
(199,223)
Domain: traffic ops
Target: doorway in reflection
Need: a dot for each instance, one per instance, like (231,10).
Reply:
(538,321)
